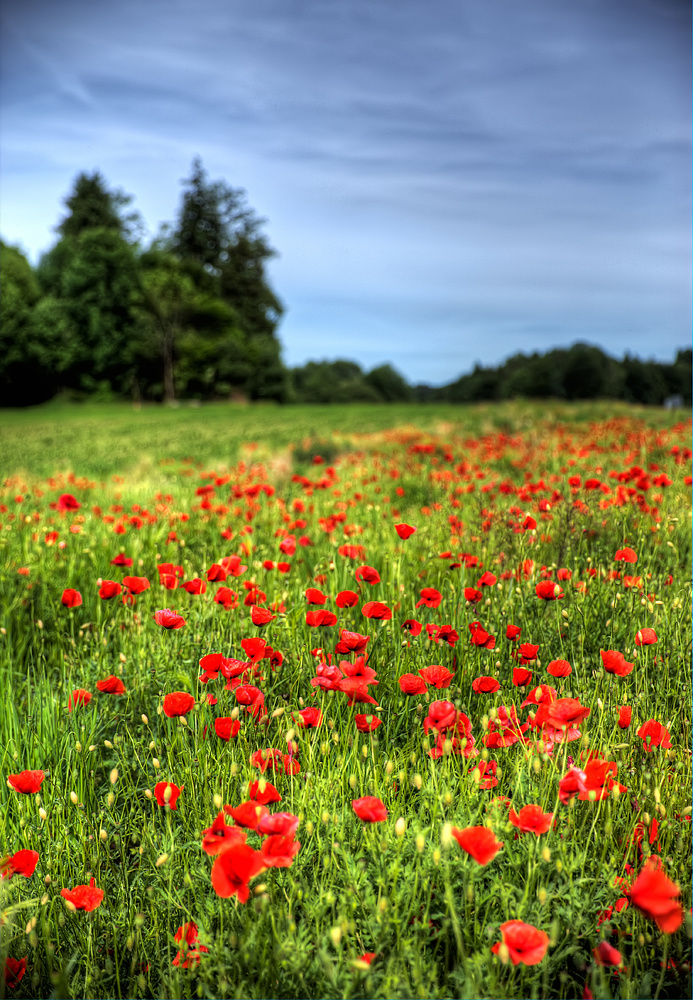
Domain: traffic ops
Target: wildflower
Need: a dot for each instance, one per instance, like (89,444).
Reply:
(377,610)
(265,795)
(404,531)
(19,863)
(195,586)
(531,819)
(14,971)
(68,502)
(279,850)
(655,895)
(412,626)
(166,794)
(367,723)
(605,954)
(559,668)
(226,597)
(626,555)
(26,782)
(347,599)
(654,734)
(625,713)
(480,637)
(247,814)
(472,595)
(283,823)
(216,573)
(523,943)
(220,836)
(368,574)
(226,728)
(254,648)
(615,663)
(430,598)
(71,598)
(512,632)
(121,560)
(442,715)
(178,703)
(186,935)
(485,685)
(109,589)
(136,584)
(411,684)
(111,685)
(521,676)
(321,619)
(599,779)
(479,842)
(437,675)
(484,773)
(571,784)
(369,809)
(547,590)
(234,868)
(262,616)
(314,596)
(79,696)
(646,637)
(309,718)
(566,712)
(352,642)
(84,897)
(169,619)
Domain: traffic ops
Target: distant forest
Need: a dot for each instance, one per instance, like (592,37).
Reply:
(192,315)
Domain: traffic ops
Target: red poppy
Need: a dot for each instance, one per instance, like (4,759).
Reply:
(527,651)
(121,560)
(605,954)
(166,794)
(654,734)
(369,809)
(14,971)
(655,895)
(111,685)
(254,648)
(480,637)
(646,637)
(566,713)
(615,663)
(367,723)
(219,836)
(178,703)
(531,819)
(437,675)
(78,697)
(309,718)
(412,626)
(430,598)
(136,584)
(109,589)
(26,782)
(487,579)
(71,598)
(234,868)
(560,668)
(521,676)
(266,759)
(625,713)
(195,586)
(169,619)
(404,531)
(283,823)
(599,779)
(485,685)
(226,728)
(547,590)
(267,795)
(20,863)
(226,597)
(186,935)
(216,573)
(626,555)
(168,580)
(525,943)
(320,619)
(564,574)
(68,502)
(479,842)
(314,596)
(288,545)
(247,814)
(411,684)
(84,897)
(442,715)
(368,574)
(377,610)
(512,632)
(278,851)
(571,784)
(347,599)
(261,616)
(352,642)
(472,595)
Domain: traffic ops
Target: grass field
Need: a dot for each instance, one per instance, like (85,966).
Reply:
(453,762)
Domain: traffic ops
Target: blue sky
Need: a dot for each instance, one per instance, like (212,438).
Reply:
(446,181)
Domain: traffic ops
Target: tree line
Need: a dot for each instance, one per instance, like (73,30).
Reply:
(192,315)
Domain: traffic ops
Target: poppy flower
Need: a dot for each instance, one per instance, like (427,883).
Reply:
(216,573)
(21,863)
(479,842)
(78,697)
(564,574)
(559,668)
(485,685)
(605,954)
(166,794)
(247,814)
(168,580)
(437,675)
(599,779)
(411,684)
(178,703)
(547,590)
(136,584)
(84,897)
(430,598)
(111,685)
(472,595)
(308,718)
(71,598)
(527,651)
(261,616)
(646,637)
(320,619)
(352,642)
(566,712)
(404,531)
(625,713)
(626,555)
(347,599)
(234,868)
(521,676)
(122,560)
(531,819)
(412,626)
(14,971)
(615,663)
(367,723)
(377,610)
(195,586)
(26,782)
(254,648)
(226,597)
(654,734)
(220,836)
(265,795)
(278,851)
(655,895)
(109,589)
(487,579)
(266,759)
(442,715)
(169,619)
(288,545)
(480,637)
(368,574)
(186,935)
(524,943)
(512,632)
(283,823)
(571,784)
(68,502)
(314,596)
(369,809)
(226,728)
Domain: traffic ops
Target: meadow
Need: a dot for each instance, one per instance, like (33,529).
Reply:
(352,701)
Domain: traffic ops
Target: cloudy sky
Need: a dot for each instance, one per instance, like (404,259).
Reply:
(446,181)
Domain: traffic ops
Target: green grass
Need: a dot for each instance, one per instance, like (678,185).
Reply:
(404,891)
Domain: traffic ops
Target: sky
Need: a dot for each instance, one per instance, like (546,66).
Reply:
(446,182)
